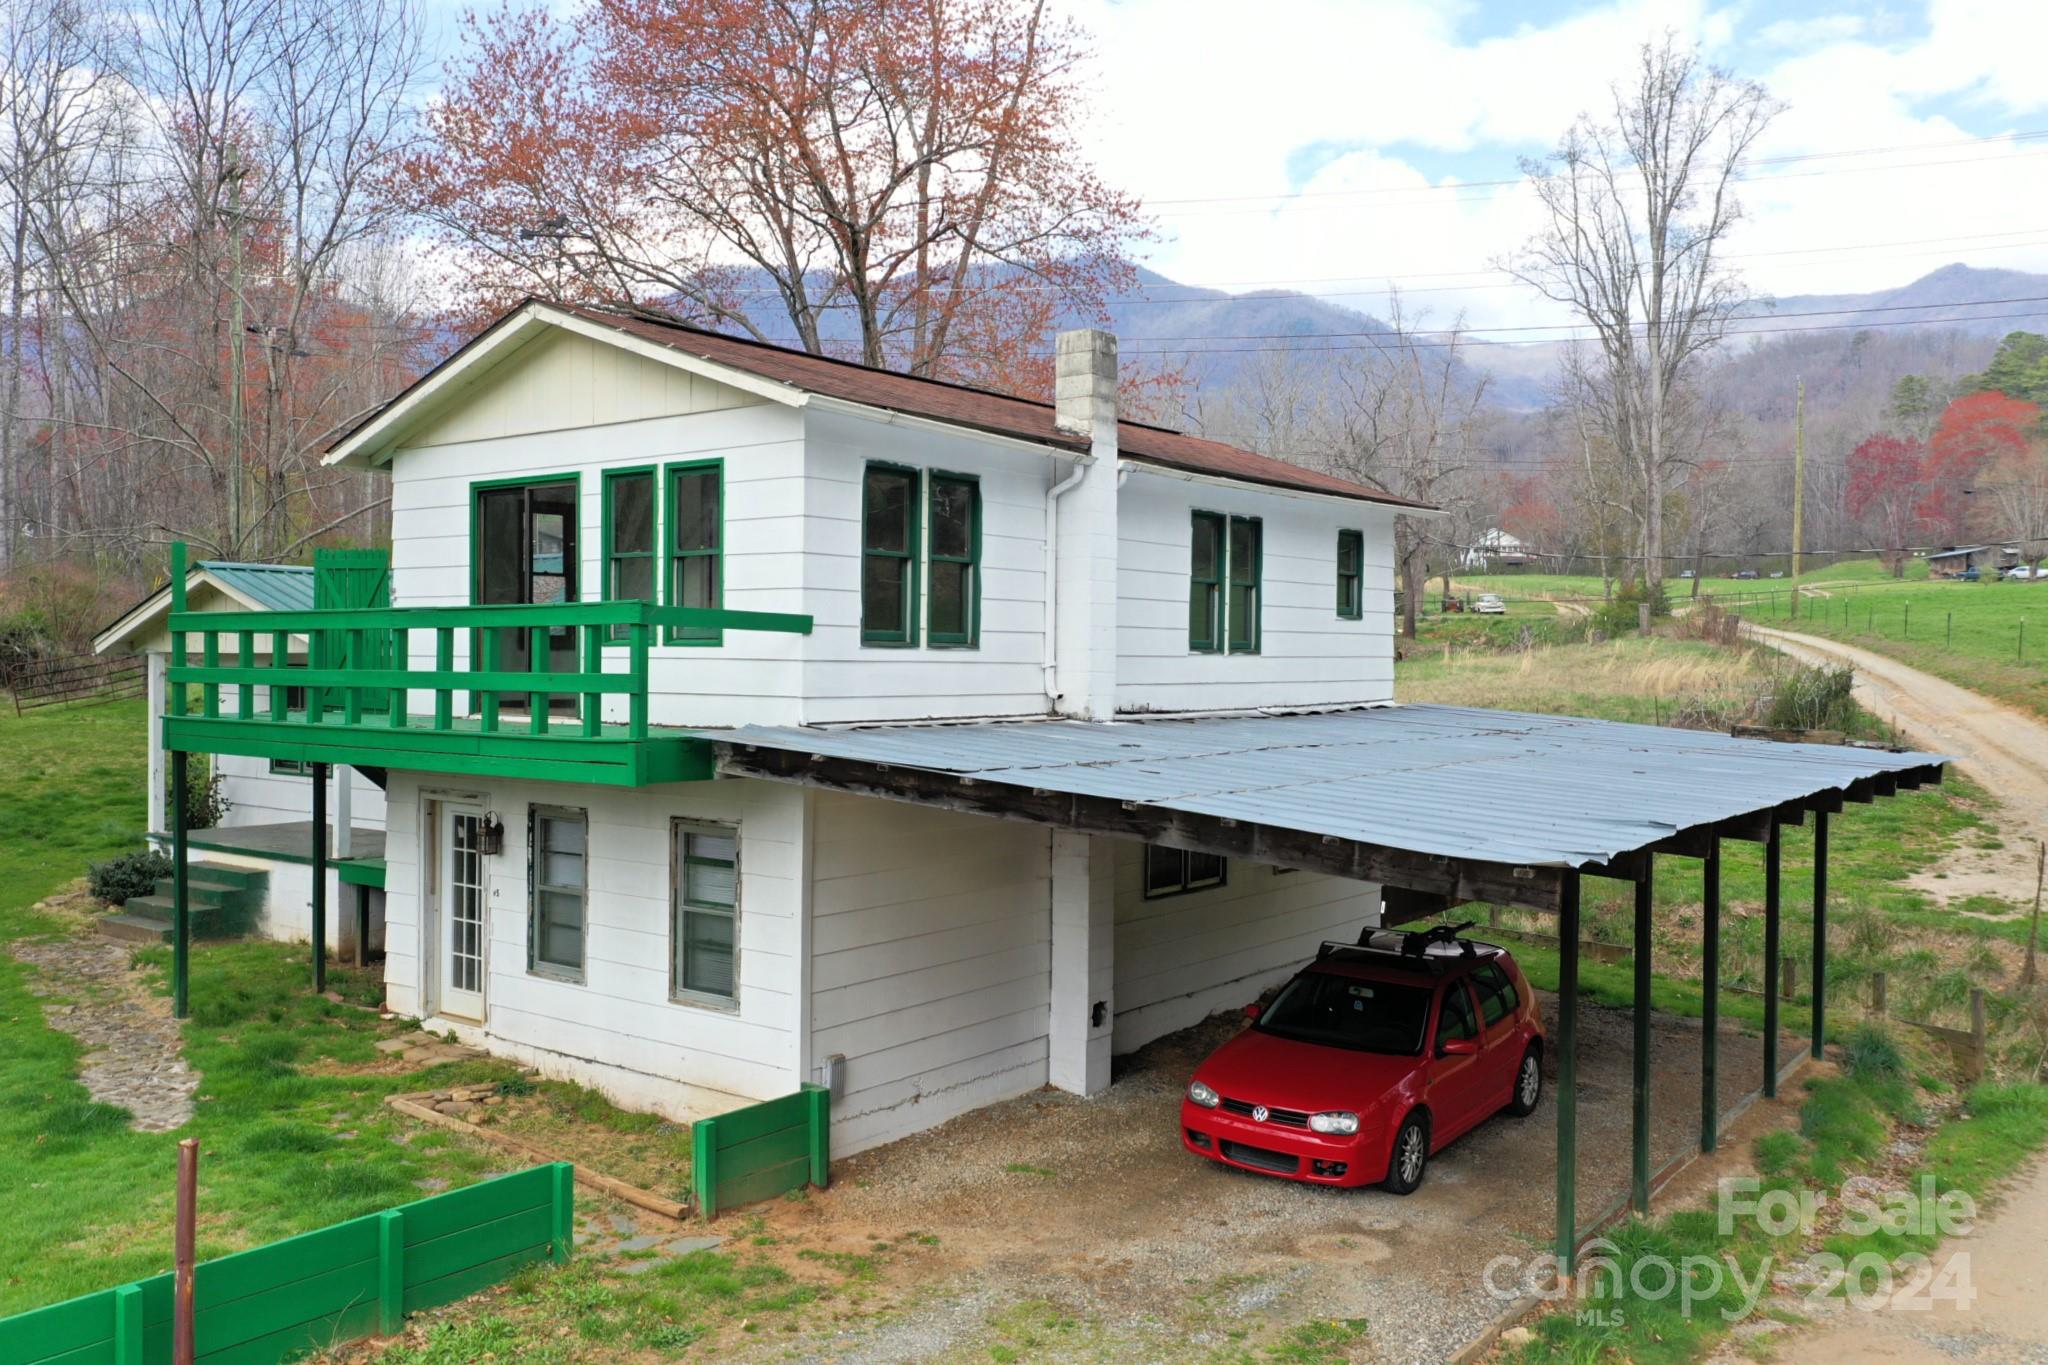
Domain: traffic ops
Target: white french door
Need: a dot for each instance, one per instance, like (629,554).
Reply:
(460,930)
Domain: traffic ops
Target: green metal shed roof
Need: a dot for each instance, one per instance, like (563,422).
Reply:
(278,587)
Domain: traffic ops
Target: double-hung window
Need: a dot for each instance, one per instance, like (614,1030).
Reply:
(1223,584)
(954,594)
(1351,575)
(704,928)
(1171,871)
(629,548)
(888,555)
(557,875)
(696,545)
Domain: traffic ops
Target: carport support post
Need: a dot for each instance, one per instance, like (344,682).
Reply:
(1639,1185)
(1710,999)
(1820,932)
(319,877)
(181,922)
(1774,848)
(1568,1074)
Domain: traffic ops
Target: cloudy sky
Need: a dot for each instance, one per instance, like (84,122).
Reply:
(1333,146)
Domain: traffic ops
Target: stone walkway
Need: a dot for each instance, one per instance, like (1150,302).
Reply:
(133,1052)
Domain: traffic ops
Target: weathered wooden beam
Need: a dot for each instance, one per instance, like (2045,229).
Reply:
(1454,879)
(1401,905)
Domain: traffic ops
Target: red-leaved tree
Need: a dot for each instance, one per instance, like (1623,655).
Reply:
(1885,493)
(1975,433)
(895,180)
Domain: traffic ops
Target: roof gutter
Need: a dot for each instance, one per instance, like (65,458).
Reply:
(1167,471)
(1082,464)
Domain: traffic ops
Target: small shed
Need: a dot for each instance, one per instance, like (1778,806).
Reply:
(1958,560)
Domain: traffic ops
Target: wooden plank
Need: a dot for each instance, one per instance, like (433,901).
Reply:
(463,1283)
(46,1333)
(230,1279)
(768,1149)
(429,1220)
(310,1299)
(358,1320)
(487,1241)
(763,1182)
(632,1194)
(739,1126)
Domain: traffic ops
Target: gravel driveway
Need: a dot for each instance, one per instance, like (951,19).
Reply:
(1088,1211)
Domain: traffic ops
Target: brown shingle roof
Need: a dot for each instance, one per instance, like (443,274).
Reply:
(979,409)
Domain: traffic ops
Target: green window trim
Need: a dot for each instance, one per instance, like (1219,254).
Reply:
(1205,589)
(963,561)
(1245,596)
(541,893)
(675,562)
(1225,602)
(290,767)
(611,559)
(476,526)
(694,904)
(902,633)
(1351,575)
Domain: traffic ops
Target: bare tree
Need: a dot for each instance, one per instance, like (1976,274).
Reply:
(1637,207)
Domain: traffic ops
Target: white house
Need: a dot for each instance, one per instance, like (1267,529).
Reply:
(576,882)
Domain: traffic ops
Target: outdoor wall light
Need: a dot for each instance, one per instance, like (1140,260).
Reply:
(490,835)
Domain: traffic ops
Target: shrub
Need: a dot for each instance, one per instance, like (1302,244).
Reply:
(1812,699)
(205,805)
(1620,616)
(131,874)
(1870,1052)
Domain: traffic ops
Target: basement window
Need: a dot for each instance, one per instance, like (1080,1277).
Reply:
(557,878)
(1351,575)
(1174,871)
(888,556)
(704,932)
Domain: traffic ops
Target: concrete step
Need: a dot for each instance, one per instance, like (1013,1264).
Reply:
(145,929)
(160,907)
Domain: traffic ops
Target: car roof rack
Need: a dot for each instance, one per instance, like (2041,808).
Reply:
(1433,949)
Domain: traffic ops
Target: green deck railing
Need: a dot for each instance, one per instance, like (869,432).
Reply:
(366,701)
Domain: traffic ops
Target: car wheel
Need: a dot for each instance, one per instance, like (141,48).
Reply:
(1410,1157)
(1528,1084)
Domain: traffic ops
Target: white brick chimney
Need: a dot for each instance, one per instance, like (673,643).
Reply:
(1083,681)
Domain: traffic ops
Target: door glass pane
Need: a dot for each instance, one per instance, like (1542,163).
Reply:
(499,518)
(633,514)
(882,593)
(952,518)
(888,511)
(696,512)
(949,598)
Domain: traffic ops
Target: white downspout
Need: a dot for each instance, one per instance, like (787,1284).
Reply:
(1052,569)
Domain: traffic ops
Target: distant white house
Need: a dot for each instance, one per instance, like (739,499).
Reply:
(1496,549)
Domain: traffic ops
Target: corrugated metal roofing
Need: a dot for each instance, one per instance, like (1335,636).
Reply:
(1450,781)
(278,587)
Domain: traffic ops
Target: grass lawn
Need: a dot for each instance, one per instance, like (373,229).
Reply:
(88,1200)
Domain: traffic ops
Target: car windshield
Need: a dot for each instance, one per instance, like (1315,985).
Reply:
(1342,1011)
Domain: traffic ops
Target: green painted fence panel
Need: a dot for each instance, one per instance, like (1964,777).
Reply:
(762,1150)
(319,1289)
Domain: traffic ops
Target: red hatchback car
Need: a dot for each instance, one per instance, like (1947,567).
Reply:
(1370,1060)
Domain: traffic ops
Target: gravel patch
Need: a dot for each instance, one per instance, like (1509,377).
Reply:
(133,1050)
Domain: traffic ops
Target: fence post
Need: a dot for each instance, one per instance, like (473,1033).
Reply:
(184,1314)
(818,1113)
(704,1166)
(565,1211)
(128,1348)
(390,1272)
(1879,1005)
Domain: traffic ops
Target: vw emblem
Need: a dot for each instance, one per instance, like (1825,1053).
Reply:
(1260,1113)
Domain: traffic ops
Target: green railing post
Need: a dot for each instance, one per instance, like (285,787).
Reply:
(245,659)
(637,694)
(703,1157)
(128,1340)
(487,710)
(565,1212)
(319,909)
(593,665)
(537,661)
(818,1109)
(444,665)
(280,660)
(209,691)
(181,927)
(391,1272)
(401,659)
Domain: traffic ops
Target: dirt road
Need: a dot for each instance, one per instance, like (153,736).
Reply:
(2007,752)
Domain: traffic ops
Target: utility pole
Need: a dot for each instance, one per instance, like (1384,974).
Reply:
(1798,482)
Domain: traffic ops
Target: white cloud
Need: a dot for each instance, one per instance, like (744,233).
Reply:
(1202,99)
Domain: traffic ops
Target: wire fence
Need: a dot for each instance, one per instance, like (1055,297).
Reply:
(39,682)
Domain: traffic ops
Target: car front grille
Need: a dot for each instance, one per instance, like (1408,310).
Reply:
(1286,1118)
(1280,1163)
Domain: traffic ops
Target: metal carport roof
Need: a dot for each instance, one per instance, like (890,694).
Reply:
(1447,781)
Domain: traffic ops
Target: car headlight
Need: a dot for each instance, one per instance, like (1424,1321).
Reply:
(1202,1095)
(1341,1121)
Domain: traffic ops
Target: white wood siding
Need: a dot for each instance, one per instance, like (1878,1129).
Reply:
(617,1029)
(1308,655)
(754,675)
(1181,958)
(258,796)
(931,962)
(845,680)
